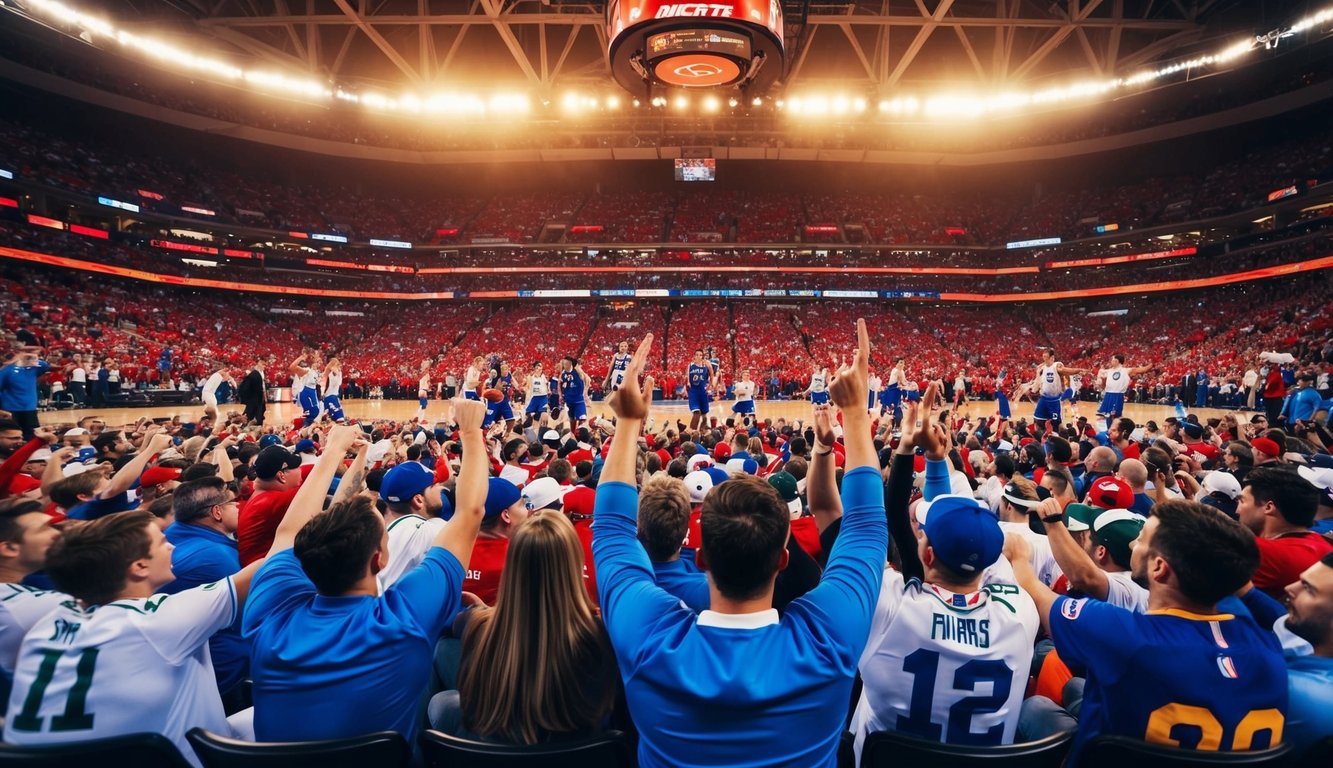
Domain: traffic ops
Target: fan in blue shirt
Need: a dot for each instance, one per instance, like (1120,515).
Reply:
(332,656)
(737,685)
(1310,678)
(1181,674)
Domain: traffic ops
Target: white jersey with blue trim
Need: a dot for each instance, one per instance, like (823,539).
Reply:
(333,383)
(944,666)
(423,385)
(538,386)
(310,379)
(1048,381)
(743,391)
(1117,380)
(819,381)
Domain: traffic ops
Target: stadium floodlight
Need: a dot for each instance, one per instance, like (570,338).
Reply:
(711,104)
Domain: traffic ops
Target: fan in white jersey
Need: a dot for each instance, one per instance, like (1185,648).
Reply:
(26,534)
(1016,503)
(412,503)
(1115,380)
(332,384)
(615,376)
(947,659)
(118,658)
(743,390)
(210,393)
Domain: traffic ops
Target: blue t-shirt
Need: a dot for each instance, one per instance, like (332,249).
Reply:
(95,508)
(571,386)
(1169,677)
(332,667)
(1310,716)
(683,580)
(740,690)
(18,385)
(202,556)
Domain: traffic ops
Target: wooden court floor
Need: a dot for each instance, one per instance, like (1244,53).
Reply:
(400,410)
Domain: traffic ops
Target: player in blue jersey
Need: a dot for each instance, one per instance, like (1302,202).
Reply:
(615,375)
(1180,674)
(505,408)
(574,383)
(698,378)
(739,684)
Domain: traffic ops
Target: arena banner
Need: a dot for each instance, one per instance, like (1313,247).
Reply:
(1171,254)
(623,14)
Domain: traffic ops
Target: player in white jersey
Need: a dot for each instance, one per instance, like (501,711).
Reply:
(744,392)
(332,380)
(306,385)
(818,389)
(26,534)
(538,392)
(876,383)
(423,390)
(616,375)
(210,393)
(1115,380)
(947,659)
(472,378)
(1050,388)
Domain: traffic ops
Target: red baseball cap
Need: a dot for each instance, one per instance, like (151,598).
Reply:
(1110,493)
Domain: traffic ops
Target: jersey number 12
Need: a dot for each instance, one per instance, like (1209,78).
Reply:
(924,665)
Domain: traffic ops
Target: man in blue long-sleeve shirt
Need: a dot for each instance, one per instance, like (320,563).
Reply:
(18,388)
(1303,401)
(736,685)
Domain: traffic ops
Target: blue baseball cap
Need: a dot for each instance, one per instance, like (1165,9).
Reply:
(500,495)
(87,452)
(268,440)
(964,533)
(305,446)
(404,481)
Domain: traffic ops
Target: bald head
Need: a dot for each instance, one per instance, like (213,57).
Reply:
(1135,473)
(1101,459)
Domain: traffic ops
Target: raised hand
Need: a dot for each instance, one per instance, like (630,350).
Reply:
(630,401)
(468,414)
(824,427)
(849,388)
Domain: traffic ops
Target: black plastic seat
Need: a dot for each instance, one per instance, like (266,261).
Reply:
(1318,756)
(1120,751)
(136,749)
(608,750)
(385,749)
(888,749)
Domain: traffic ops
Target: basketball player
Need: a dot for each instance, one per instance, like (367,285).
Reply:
(875,384)
(472,378)
(891,397)
(698,377)
(818,389)
(423,390)
(1050,388)
(744,392)
(574,383)
(1116,379)
(306,385)
(505,408)
(616,375)
(716,362)
(332,382)
(538,389)
(210,393)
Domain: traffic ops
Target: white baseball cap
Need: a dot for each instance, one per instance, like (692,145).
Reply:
(543,491)
(698,483)
(1224,483)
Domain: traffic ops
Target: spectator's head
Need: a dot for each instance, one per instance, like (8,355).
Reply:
(1276,499)
(11,438)
(1004,466)
(208,503)
(1194,553)
(112,445)
(505,508)
(120,555)
(1135,473)
(514,451)
(26,534)
(1058,481)
(664,517)
(960,539)
(1019,498)
(1058,450)
(343,547)
(71,491)
(1120,430)
(1100,459)
(562,471)
(1266,450)
(277,468)
(744,525)
(1310,606)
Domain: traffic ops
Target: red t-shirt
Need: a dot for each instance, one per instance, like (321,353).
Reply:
(258,523)
(579,501)
(692,536)
(1131,450)
(584,529)
(1282,560)
(1207,450)
(806,533)
(483,570)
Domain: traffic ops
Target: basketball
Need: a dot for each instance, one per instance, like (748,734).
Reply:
(493,395)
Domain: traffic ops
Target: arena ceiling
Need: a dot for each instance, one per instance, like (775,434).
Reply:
(548,44)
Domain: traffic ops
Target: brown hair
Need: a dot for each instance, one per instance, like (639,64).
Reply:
(664,517)
(334,547)
(540,661)
(744,525)
(1211,554)
(90,561)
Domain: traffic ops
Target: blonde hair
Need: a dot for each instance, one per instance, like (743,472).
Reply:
(540,661)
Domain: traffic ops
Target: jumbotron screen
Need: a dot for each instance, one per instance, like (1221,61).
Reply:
(696,169)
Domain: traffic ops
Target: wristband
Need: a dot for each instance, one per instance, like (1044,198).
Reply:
(824,452)
(1051,520)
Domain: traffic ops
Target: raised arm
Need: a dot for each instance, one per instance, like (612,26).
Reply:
(125,478)
(309,500)
(41,437)
(898,492)
(1019,553)
(355,477)
(460,535)
(821,485)
(1077,566)
(297,368)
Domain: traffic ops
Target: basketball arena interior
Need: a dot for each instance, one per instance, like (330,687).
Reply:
(281,279)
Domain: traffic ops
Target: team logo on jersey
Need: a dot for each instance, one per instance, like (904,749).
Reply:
(64,631)
(1070,609)
(1227,667)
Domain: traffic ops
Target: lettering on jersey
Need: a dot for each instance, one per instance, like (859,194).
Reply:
(997,590)
(64,631)
(1070,609)
(474,575)
(974,632)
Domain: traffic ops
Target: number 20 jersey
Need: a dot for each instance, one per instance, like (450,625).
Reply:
(944,666)
(129,666)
